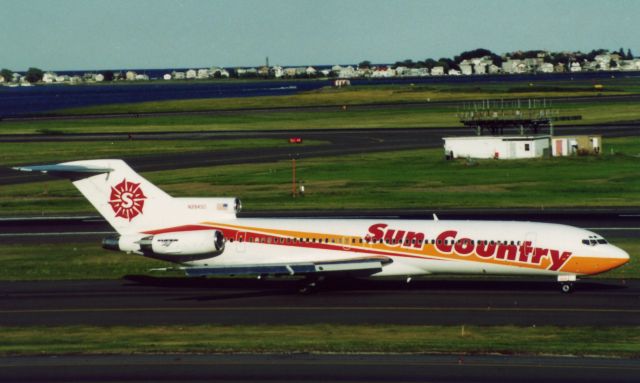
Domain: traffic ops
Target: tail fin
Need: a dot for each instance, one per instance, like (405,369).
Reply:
(125,199)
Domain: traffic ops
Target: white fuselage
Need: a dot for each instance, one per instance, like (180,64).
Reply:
(416,247)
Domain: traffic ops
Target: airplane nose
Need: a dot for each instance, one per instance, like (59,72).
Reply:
(620,254)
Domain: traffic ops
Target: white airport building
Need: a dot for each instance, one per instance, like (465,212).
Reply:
(498,147)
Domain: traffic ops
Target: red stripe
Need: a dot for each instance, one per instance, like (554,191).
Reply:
(250,236)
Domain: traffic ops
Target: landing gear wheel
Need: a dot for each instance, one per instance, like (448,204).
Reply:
(566,287)
(310,285)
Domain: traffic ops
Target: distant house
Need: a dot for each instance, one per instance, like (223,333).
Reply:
(130,75)
(1,79)
(575,67)
(277,71)
(191,74)
(178,75)
(480,68)
(385,72)
(48,77)
(98,77)
(454,72)
(546,68)
(142,77)
(166,76)
(466,67)
(203,73)
(348,72)
(311,71)
(493,69)
(437,71)
(628,65)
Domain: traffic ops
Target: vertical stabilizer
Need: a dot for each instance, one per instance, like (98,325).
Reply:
(129,202)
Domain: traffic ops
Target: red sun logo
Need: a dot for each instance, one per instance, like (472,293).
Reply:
(127,199)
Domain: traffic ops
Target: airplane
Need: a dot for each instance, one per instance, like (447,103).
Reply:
(205,237)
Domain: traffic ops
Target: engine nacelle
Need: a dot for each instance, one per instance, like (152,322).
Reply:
(174,247)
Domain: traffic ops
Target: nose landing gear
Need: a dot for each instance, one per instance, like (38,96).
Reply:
(566,287)
(566,283)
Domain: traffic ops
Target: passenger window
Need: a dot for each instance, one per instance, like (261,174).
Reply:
(602,241)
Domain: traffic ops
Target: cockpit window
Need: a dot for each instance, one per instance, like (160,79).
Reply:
(592,241)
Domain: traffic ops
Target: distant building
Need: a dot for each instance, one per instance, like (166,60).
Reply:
(178,75)
(130,75)
(576,145)
(437,71)
(191,74)
(466,67)
(166,76)
(497,147)
(48,77)
(575,67)
(546,68)
(340,82)
(203,73)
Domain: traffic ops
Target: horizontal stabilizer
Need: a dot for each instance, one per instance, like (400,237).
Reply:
(365,266)
(70,171)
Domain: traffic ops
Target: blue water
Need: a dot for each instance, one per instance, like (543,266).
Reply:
(21,101)
(47,98)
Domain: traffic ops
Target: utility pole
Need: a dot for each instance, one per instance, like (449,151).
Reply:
(294,190)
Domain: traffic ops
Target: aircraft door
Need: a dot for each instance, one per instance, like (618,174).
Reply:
(241,238)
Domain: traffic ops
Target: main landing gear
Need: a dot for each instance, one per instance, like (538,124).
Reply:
(310,284)
(566,283)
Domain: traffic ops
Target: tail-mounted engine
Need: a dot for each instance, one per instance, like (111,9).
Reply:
(174,247)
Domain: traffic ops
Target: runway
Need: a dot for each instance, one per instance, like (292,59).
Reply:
(144,300)
(317,368)
(340,142)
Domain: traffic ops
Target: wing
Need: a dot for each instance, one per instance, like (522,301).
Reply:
(355,266)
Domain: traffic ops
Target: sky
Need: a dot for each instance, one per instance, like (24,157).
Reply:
(119,34)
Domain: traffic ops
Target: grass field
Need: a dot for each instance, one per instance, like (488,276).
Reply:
(596,112)
(404,179)
(385,94)
(322,338)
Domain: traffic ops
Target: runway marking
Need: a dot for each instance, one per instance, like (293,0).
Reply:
(292,308)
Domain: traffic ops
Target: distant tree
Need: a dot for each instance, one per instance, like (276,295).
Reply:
(558,58)
(467,55)
(108,75)
(7,74)
(34,75)
(429,63)
(596,52)
(629,54)
(621,53)
(366,64)
(406,63)
(496,59)
(448,64)
(218,74)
